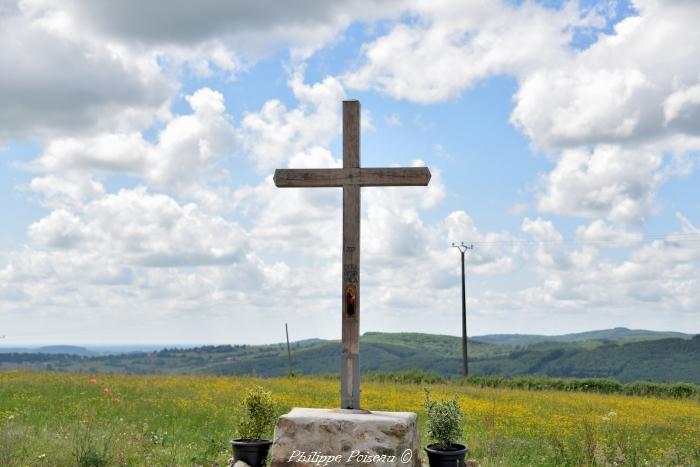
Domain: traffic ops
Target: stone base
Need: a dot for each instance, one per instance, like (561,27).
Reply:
(333,437)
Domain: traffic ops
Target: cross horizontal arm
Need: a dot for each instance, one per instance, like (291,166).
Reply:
(376,176)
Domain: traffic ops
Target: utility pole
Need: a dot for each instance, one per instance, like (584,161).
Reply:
(289,352)
(462,249)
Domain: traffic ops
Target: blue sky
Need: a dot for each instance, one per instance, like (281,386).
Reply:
(138,148)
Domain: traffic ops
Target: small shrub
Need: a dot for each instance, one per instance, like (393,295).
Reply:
(682,390)
(408,377)
(11,444)
(600,385)
(259,414)
(211,448)
(86,450)
(444,421)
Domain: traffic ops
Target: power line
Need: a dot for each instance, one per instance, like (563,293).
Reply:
(621,243)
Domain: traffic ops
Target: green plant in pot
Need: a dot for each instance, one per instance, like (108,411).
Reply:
(253,444)
(444,424)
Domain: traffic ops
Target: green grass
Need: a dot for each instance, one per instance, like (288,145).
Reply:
(53,419)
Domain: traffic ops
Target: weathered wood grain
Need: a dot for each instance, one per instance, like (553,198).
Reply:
(351,177)
(350,293)
(366,176)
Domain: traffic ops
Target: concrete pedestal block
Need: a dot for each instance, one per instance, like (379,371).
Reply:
(336,437)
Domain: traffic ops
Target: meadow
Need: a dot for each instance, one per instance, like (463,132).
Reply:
(52,419)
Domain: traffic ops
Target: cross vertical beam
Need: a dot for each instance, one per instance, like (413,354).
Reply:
(350,358)
(351,177)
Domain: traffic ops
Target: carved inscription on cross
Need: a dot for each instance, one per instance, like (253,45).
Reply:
(351,177)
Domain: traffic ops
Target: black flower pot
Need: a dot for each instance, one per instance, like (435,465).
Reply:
(452,458)
(251,451)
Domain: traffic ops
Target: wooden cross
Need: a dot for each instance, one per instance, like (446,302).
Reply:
(351,177)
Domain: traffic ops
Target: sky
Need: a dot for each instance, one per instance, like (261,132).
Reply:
(138,142)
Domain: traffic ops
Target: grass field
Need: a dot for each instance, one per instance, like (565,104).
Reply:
(51,419)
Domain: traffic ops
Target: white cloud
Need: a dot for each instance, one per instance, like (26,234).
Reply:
(518,209)
(252,28)
(69,189)
(682,109)
(393,120)
(687,226)
(138,254)
(607,115)
(576,105)
(604,234)
(53,82)
(149,244)
(61,229)
(304,225)
(636,84)
(609,181)
(143,229)
(551,252)
(188,148)
(108,152)
(83,66)
(493,252)
(450,46)
(276,134)
(658,276)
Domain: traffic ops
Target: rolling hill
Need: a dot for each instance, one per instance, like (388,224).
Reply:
(619,334)
(662,360)
(51,349)
(625,355)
